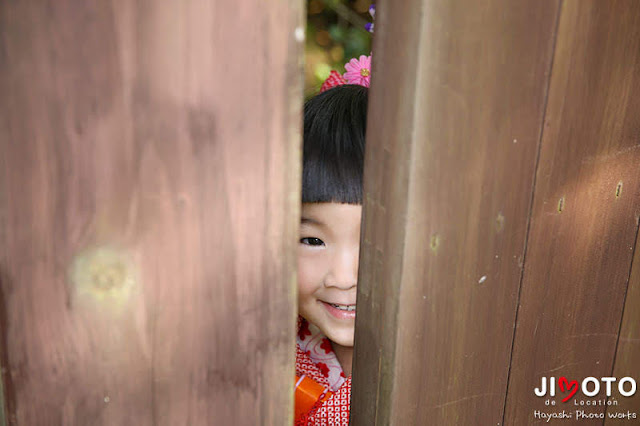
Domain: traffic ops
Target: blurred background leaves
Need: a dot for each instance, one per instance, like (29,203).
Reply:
(335,34)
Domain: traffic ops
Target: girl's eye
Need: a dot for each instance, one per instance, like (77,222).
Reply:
(311,241)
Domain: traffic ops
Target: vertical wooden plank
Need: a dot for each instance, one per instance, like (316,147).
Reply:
(149,205)
(585,212)
(627,357)
(456,113)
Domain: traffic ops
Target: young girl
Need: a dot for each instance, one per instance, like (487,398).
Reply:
(334,136)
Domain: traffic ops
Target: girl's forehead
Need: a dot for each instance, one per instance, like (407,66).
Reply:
(330,207)
(335,215)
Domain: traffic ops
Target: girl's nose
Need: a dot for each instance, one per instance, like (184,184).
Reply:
(344,269)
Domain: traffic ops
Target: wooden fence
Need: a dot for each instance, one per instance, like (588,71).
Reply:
(149,207)
(149,181)
(502,205)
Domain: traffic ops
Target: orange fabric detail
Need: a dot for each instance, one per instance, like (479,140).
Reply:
(307,394)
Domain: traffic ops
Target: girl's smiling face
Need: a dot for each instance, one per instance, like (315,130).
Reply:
(328,268)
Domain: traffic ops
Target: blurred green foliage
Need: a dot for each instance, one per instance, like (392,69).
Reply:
(335,34)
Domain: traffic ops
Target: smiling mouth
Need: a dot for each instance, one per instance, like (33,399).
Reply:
(346,308)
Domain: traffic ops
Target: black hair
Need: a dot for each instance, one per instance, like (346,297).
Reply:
(335,122)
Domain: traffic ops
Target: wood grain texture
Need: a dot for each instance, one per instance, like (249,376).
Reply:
(149,207)
(585,212)
(456,112)
(627,358)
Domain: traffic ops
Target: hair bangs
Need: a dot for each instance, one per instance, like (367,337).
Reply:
(335,122)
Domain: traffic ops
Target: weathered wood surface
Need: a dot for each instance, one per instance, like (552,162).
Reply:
(627,359)
(149,181)
(585,212)
(456,114)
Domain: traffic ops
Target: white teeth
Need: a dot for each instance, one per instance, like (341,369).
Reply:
(344,307)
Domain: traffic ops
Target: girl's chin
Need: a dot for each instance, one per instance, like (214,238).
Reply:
(343,338)
(348,345)
(338,331)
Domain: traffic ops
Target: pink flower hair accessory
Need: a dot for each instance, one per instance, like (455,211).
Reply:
(358,71)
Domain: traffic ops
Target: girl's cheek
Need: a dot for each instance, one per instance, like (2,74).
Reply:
(305,276)
(310,275)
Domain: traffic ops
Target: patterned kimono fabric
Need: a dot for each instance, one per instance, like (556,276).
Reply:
(316,359)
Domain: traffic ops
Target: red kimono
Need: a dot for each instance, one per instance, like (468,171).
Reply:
(315,359)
